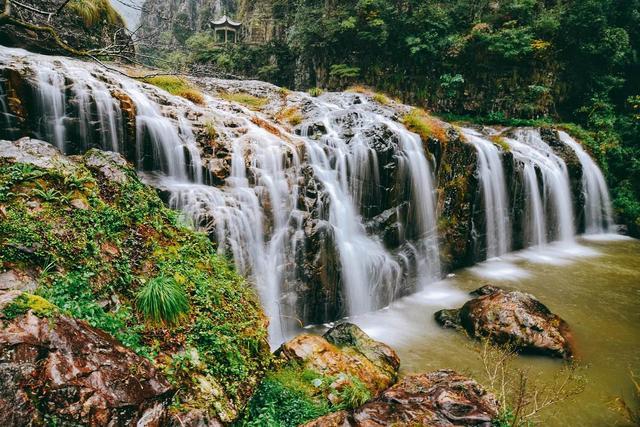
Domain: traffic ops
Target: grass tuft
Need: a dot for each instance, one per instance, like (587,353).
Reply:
(248,100)
(177,86)
(94,11)
(315,92)
(420,122)
(162,301)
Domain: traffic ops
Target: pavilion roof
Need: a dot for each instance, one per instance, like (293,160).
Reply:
(225,20)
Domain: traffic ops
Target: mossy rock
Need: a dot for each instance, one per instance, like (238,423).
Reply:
(318,375)
(91,234)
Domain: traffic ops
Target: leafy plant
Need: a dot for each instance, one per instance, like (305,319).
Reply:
(162,301)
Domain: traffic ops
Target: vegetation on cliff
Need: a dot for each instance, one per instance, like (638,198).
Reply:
(568,61)
(100,245)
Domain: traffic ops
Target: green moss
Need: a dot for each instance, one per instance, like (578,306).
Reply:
(248,100)
(501,142)
(290,115)
(293,395)
(25,302)
(94,261)
(177,86)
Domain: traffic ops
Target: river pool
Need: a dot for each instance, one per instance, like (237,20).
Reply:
(593,284)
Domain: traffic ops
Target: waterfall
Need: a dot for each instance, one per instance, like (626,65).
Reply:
(341,165)
(494,194)
(549,204)
(259,216)
(415,165)
(342,206)
(597,206)
(51,100)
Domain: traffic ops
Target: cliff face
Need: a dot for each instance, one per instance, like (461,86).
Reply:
(171,22)
(168,23)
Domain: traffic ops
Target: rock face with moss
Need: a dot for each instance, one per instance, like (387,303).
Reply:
(441,398)
(513,318)
(342,369)
(458,198)
(55,368)
(87,236)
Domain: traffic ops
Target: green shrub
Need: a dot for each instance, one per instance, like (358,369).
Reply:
(315,92)
(276,404)
(94,11)
(162,301)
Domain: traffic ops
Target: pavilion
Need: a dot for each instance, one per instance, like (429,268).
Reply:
(225,30)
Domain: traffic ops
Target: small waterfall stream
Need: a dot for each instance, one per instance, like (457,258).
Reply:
(334,217)
(597,207)
(494,194)
(549,201)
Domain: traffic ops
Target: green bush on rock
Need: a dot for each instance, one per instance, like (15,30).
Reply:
(162,301)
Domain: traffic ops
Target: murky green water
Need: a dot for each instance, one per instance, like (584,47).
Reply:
(595,287)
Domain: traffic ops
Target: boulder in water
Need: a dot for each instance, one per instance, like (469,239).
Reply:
(513,318)
(440,398)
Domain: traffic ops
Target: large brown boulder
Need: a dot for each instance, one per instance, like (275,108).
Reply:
(345,349)
(441,398)
(53,367)
(513,318)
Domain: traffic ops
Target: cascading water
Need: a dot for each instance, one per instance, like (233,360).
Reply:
(597,206)
(353,183)
(51,99)
(549,203)
(494,194)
